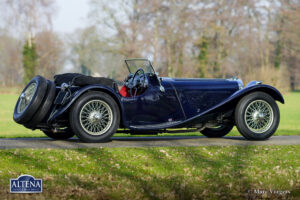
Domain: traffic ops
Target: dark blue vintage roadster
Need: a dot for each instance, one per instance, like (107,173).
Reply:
(94,108)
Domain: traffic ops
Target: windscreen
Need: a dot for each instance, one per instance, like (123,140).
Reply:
(134,64)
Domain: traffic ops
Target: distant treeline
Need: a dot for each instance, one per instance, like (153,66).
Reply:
(253,40)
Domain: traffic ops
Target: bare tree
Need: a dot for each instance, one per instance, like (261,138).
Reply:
(249,39)
(11,60)
(28,16)
(51,53)
(288,40)
(22,20)
(123,20)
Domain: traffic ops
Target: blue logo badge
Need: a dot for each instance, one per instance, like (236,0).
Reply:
(26,184)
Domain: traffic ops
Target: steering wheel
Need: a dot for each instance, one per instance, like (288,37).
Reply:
(137,81)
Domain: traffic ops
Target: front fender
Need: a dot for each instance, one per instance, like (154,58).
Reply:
(231,102)
(252,87)
(80,92)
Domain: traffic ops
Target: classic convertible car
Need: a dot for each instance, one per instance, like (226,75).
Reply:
(94,108)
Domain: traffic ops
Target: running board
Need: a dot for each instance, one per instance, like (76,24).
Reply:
(155,126)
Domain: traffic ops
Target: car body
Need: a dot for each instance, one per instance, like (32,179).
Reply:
(149,104)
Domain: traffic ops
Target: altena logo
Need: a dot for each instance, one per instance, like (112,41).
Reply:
(26,184)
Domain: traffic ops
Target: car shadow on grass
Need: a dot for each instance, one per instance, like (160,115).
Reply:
(155,138)
(192,175)
(147,173)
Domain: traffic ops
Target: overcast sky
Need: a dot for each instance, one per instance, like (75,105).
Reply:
(71,14)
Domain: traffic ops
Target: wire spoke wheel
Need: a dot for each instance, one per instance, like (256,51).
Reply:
(258,116)
(30,100)
(96,117)
(217,131)
(26,97)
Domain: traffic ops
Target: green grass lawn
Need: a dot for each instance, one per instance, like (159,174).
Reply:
(289,124)
(156,173)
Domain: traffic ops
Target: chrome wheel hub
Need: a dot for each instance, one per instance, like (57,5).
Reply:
(259,116)
(96,117)
(26,97)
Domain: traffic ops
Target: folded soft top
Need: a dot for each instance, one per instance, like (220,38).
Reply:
(82,80)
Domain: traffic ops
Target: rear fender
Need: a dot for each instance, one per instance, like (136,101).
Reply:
(82,91)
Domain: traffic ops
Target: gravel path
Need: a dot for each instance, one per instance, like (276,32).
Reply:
(162,141)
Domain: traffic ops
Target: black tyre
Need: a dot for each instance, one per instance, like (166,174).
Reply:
(60,134)
(220,131)
(45,106)
(257,116)
(95,117)
(30,100)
